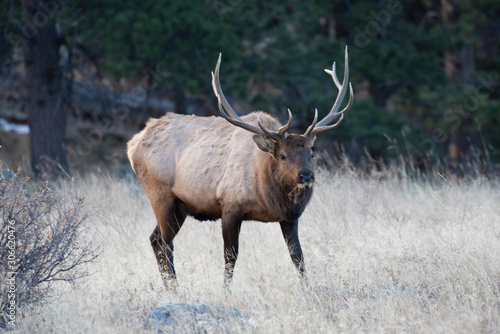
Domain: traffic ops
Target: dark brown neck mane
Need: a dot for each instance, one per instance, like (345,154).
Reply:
(279,198)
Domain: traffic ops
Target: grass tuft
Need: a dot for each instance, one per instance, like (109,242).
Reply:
(384,253)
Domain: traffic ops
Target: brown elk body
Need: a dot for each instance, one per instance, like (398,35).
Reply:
(231,168)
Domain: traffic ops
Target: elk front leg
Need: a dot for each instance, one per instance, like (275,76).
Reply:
(291,235)
(231,226)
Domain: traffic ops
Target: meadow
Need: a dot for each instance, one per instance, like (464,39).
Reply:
(384,253)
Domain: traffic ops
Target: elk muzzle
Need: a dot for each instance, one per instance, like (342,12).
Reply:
(305,178)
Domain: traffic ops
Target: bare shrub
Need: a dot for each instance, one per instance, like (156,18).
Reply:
(42,241)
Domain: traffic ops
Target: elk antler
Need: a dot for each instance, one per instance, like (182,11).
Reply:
(232,117)
(322,126)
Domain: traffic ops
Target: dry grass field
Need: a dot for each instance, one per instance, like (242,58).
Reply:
(383,254)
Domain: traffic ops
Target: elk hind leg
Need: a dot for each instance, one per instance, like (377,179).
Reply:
(169,224)
(231,226)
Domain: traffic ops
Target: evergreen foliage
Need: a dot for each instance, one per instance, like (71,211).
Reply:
(274,54)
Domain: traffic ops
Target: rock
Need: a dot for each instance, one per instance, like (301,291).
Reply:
(6,173)
(200,317)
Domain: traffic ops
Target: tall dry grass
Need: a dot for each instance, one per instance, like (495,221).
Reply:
(383,254)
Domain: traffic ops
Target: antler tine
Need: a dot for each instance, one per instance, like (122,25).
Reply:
(232,117)
(311,127)
(273,134)
(333,114)
(231,120)
(333,73)
(320,129)
(281,133)
(328,127)
(349,103)
(322,126)
(218,91)
(284,129)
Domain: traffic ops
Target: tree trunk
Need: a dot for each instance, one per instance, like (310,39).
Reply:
(47,115)
(458,68)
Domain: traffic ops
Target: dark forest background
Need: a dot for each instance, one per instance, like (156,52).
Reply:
(86,75)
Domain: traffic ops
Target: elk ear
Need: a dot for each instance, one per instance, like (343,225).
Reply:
(266,144)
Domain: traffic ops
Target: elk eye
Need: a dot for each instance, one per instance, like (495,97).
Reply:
(282,156)
(313,154)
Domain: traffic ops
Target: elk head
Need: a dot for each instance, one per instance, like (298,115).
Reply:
(292,153)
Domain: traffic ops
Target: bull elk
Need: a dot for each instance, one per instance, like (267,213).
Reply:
(230,167)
